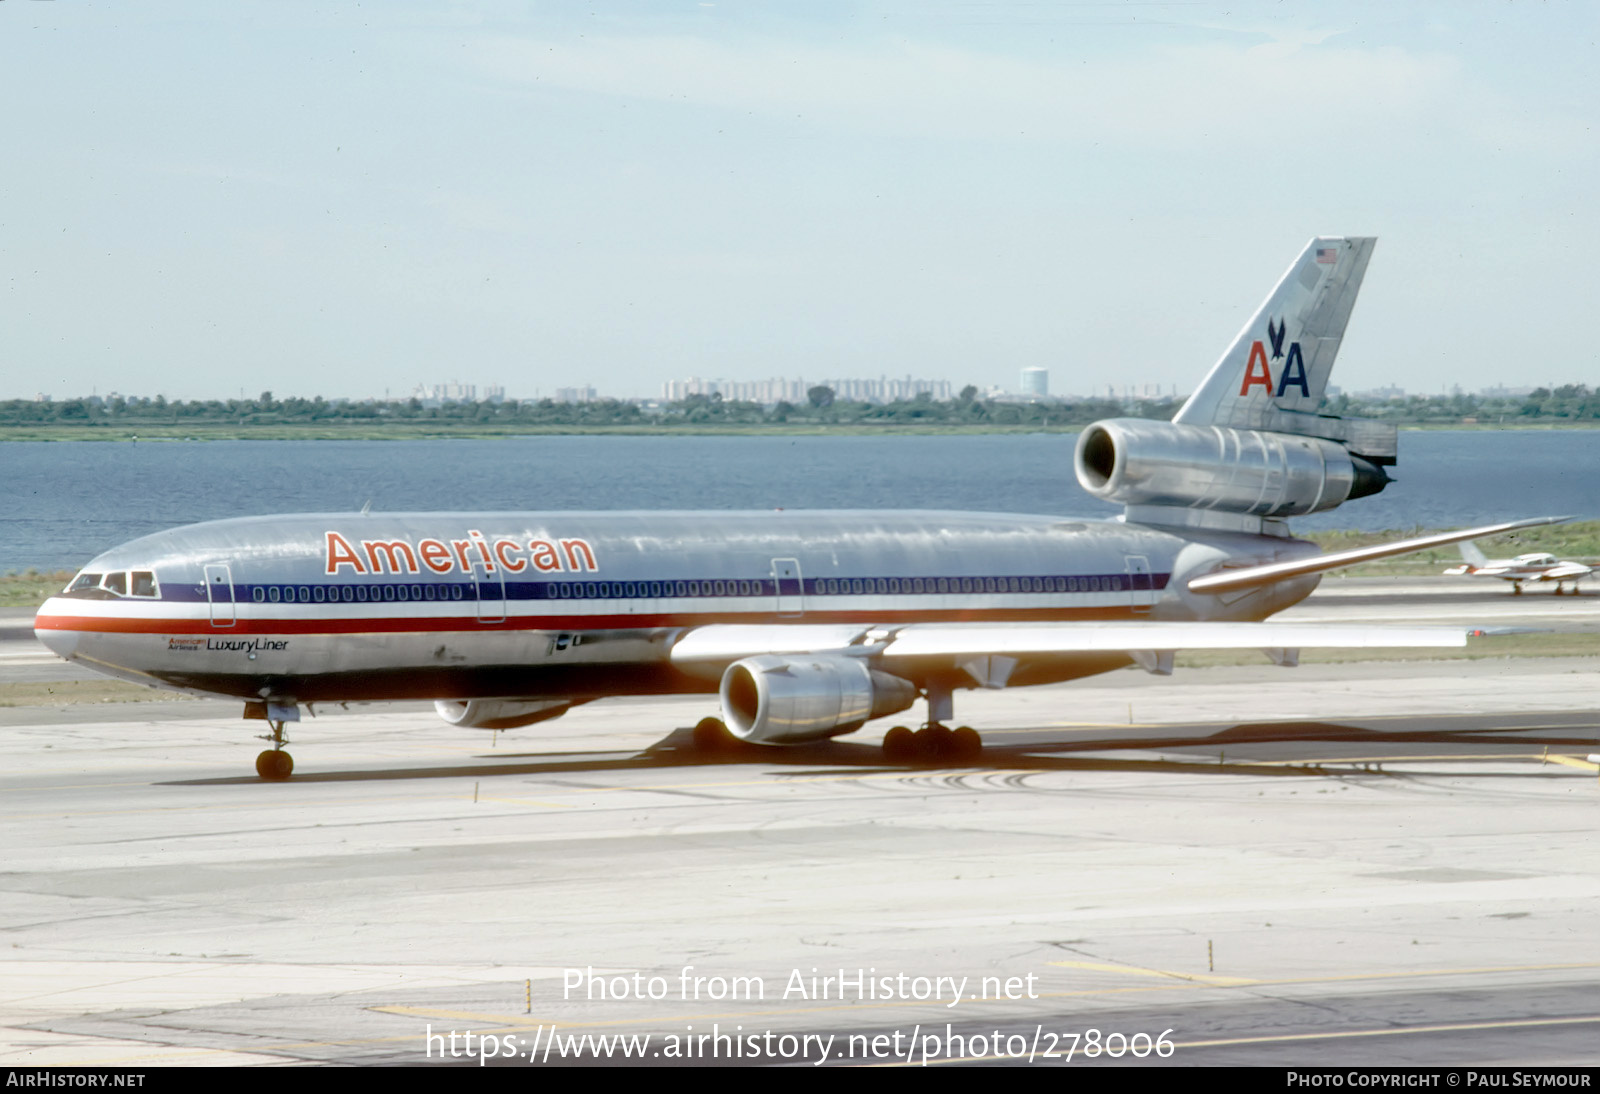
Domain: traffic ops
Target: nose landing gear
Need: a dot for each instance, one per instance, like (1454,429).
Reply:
(274,764)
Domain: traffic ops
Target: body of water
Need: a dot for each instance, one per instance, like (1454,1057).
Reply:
(63,503)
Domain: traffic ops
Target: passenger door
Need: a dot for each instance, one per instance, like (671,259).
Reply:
(790,587)
(491,589)
(219,593)
(1143,588)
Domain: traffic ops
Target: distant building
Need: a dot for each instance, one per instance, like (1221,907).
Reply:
(1036,381)
(778,390)
(453,392)
(575,395)
(1391,391)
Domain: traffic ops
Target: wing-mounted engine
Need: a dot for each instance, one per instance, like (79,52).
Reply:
(793,699)
(500,713)
(1252,473)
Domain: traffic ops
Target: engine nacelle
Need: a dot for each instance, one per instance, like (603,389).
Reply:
(790,700)
(1133,461)
(500,713)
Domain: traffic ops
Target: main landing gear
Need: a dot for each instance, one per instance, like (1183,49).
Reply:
(932,742)
(712,736)
(936,741)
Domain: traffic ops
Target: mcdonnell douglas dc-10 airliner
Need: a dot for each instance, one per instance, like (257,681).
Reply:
(807,624)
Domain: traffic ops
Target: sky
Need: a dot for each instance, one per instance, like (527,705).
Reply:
(206,200)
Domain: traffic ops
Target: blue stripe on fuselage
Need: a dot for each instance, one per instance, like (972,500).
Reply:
(418,590)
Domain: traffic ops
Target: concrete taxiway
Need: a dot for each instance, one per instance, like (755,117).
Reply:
(1335,864)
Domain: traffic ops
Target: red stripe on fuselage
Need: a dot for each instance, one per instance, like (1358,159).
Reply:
(422,624)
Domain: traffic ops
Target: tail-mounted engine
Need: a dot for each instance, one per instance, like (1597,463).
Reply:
(790,700)
(1138,462)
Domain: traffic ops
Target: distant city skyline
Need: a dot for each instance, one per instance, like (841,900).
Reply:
(771,392)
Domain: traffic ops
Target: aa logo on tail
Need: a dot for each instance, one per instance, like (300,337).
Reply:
(1257,371)
(1275,335)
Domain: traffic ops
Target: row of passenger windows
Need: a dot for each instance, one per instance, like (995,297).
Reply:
(627,590)
(829,586)
(612,590)
(318,594)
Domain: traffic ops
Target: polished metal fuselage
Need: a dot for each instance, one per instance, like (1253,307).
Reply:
(327,607)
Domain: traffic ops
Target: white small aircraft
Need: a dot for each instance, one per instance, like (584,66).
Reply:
(1538,566)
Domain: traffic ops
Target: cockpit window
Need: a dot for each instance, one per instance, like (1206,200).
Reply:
(105,586)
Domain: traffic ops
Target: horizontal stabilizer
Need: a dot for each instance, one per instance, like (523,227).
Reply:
(1228,581)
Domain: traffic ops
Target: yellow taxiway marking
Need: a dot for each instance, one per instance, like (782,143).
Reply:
(1184,981)
(1573,761)
(1088,727)
(71,786)
(261,803)
(1134,970)
(1321,979)
(1417,758)
(1450,1027)
(503,1020)
(527,1021)
(780,779)
(1447,1027)
(1222,724)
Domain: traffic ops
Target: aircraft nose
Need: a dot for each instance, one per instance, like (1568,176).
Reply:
(47,629)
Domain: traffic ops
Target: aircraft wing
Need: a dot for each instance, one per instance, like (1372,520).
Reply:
(720,645)
(1249,577)
(939,639)
(725,643)
(1566,571)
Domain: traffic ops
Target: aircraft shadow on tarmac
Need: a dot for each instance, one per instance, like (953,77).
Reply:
(1268,749)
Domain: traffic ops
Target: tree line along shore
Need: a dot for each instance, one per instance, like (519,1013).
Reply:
(266,417)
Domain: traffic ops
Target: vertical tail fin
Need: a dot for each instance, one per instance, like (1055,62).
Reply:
(1279,364)
(1471,555)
